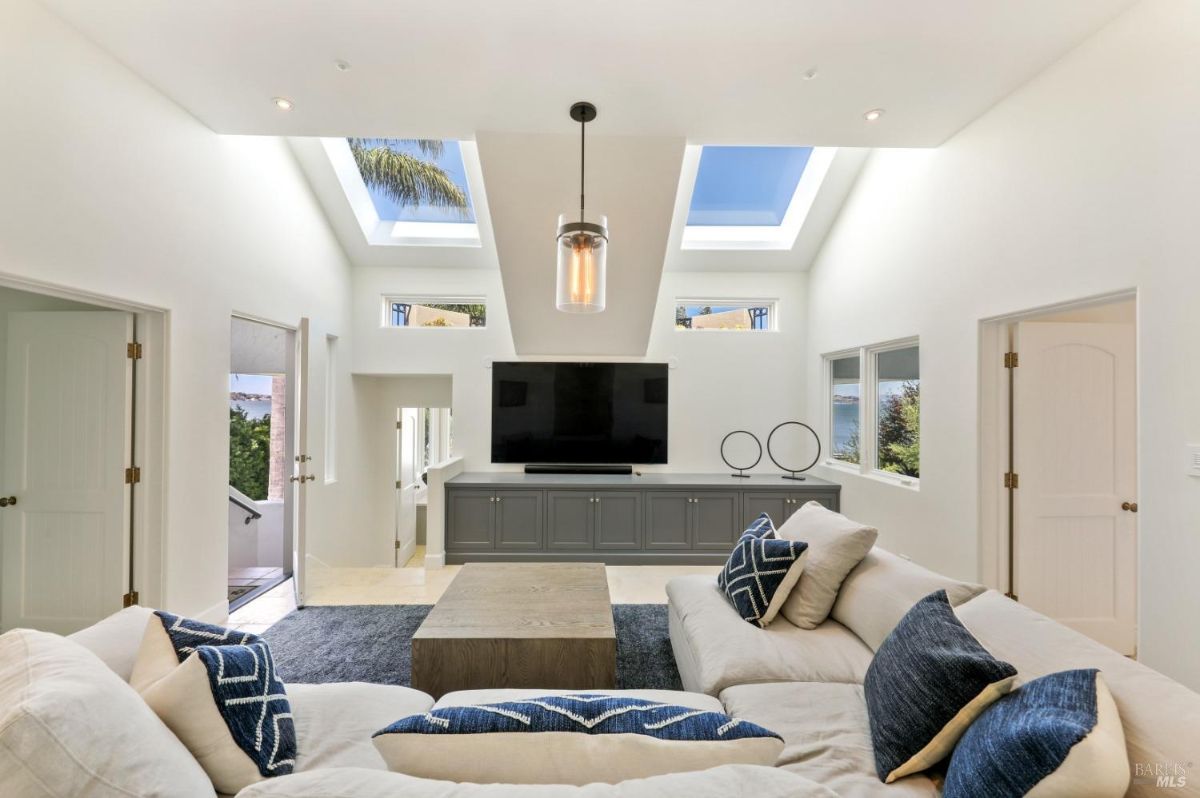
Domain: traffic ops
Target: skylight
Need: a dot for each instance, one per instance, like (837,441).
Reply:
(747,198)
(746,186)
(410,193)
(444,156)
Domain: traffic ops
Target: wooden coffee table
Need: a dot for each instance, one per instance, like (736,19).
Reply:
(519,625)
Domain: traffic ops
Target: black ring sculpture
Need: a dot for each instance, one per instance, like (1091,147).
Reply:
(739,468)
(794,471)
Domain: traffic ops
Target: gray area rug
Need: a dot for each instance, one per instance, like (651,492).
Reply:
(373,643)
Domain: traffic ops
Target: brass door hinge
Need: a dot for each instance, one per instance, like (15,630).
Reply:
(133,475)
(130,598)
(1011,360)
(1012,480)
(133,351)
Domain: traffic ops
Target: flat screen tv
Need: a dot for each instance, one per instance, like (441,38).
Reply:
(579,413)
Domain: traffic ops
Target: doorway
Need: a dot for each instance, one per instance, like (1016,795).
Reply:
(262,382)
(424,437)
(1063,470)
(78,412)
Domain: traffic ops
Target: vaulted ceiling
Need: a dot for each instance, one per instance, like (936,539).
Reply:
(665,75)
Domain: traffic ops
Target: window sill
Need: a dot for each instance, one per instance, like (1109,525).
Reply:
(875,475)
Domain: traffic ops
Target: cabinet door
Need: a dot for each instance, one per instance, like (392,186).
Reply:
(775,505)
(569,519)
(470,516)
(716,520)
(519,519)
(796,500)
(618,519)
(668,519)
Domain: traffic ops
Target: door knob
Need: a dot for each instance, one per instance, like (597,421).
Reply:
(1129,506)
(10,501)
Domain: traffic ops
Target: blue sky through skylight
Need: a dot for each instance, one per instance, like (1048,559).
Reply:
(451,162)
(746,186)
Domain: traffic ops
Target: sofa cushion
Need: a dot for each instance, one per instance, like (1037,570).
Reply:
(727,781)
(1160,717)
(929,680)
(825,735)
(717,649)
(761,572)
(229,708)
(1057,735)
(115,640)
(835,545)
(69,726)
(334,722)
(883,587)
(580,738)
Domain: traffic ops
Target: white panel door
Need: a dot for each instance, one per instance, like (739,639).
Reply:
(68,392)
(408,444)
(1075,452)
(297,452)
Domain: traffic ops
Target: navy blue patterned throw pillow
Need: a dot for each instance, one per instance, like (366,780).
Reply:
(761,572)
(1060,733)
(928,681)
(186,669)
(577,739)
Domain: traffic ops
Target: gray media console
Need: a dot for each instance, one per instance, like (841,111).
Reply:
(654,518)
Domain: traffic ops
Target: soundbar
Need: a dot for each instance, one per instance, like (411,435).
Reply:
(559,468)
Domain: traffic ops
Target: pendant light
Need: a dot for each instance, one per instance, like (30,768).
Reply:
(582,243)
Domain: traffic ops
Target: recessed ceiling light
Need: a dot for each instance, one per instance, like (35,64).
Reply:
(810,74)
(341,66)
(282,103)
(873,114)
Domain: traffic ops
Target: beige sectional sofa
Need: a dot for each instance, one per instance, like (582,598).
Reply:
(71,725)
(806,685)
(66,704)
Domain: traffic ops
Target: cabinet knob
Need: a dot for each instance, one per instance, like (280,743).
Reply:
(9,502)
(1130,507)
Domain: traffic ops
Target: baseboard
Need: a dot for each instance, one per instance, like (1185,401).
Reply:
(435,560)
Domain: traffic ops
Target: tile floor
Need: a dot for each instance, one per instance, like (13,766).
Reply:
(245,580)
(413,584)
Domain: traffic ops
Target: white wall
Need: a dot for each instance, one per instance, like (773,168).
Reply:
(1083,182)
(715,374)
(112,189)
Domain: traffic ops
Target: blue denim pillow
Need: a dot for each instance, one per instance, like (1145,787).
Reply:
(1026,737)
(927,682)
(761,571)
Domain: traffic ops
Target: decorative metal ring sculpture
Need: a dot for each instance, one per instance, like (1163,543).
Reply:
(794,471)
(741,469)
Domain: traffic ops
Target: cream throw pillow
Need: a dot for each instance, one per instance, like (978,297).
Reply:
(835,546)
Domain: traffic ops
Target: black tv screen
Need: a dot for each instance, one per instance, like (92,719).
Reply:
(580,413)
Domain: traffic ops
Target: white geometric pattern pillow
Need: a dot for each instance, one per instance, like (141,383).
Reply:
(224,702)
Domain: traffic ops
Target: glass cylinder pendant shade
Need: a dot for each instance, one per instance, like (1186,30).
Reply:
(582,252)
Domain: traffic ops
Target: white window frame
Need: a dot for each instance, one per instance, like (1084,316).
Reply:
(868,420)
(759,237)
(753,302)
(429,299)
(389,232)
(439,432)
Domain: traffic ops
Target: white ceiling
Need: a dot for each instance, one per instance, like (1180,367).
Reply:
(708,71)
(632,180)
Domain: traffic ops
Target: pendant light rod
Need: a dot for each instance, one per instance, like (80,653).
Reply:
(582,112)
